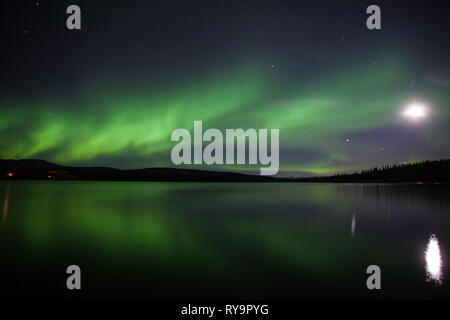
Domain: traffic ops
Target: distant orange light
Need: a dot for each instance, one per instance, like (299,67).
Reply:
(10,174)
(49,177)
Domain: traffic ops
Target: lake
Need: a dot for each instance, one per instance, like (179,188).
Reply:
(224,240)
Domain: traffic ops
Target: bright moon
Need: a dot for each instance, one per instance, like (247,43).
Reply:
(415,111)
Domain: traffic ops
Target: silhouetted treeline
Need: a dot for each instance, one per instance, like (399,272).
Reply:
(426,171)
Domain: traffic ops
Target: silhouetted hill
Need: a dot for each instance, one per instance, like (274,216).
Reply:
(38,170)
(427,172)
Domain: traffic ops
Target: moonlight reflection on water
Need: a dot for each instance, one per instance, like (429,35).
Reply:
(433,260)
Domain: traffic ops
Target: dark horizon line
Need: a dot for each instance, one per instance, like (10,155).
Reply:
(37,169)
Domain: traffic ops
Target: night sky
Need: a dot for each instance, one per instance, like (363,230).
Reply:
(111,93)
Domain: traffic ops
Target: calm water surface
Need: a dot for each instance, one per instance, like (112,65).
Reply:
(224,240)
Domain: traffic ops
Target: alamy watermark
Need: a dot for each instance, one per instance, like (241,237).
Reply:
(213,151)
(74,278)
(374,20)
(73,22)
(374,280)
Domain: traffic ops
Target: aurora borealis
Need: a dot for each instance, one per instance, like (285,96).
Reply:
(340,126)
(112,93)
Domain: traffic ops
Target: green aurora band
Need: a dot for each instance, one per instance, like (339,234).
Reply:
(130,127)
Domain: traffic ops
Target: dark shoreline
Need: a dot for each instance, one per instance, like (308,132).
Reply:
(424,172)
